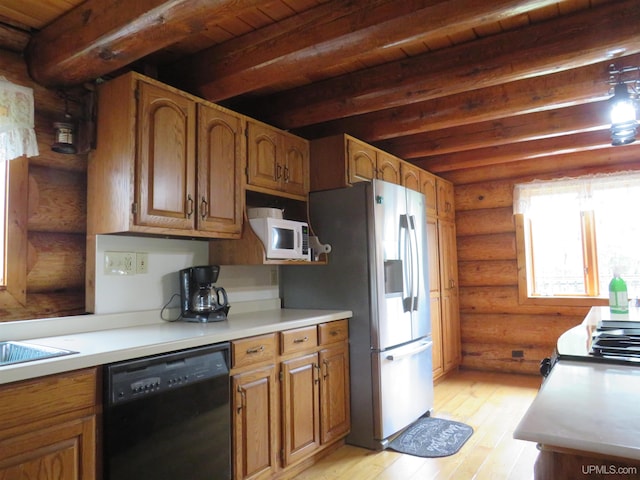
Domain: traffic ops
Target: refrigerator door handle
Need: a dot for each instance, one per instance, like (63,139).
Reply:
(410,353)
(415,264)
(404,248)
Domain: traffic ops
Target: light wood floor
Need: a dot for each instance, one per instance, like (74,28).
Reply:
(492,404)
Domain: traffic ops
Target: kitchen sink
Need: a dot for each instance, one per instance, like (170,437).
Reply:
(18,352)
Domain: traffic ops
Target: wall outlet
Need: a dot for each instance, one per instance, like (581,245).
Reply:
(119,263)
(142,262)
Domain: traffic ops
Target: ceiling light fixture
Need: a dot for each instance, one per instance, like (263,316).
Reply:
(624,110)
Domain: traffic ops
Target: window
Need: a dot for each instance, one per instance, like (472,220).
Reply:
(574,234)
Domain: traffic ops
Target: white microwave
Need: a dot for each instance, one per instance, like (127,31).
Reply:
(282,239)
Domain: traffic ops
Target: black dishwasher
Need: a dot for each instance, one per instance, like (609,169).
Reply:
(168,416)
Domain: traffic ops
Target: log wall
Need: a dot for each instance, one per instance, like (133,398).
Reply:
(494,324)
(56,221)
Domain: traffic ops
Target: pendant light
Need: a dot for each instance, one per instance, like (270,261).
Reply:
(623,109)
(64,133)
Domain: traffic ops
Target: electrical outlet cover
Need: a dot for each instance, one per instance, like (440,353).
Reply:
(119,263)
(142,262)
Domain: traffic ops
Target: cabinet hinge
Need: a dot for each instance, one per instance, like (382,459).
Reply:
(281,376)
(136,94)
(134,208)
(282,457)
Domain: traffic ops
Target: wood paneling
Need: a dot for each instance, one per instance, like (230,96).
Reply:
(56,214)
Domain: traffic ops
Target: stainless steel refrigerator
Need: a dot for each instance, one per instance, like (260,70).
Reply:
(378,269)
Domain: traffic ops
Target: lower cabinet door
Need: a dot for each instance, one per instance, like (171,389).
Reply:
(300,407)
(65,451)
(255,440)
(335,419)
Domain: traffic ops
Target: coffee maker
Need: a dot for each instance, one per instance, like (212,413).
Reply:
(200,300)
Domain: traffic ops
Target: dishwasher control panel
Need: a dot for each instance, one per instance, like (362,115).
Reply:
(139,378)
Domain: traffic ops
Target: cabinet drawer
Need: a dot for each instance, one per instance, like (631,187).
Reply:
(252,350)
(298,339)
(332,332)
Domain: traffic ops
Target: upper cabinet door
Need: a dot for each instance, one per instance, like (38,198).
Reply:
(410,176)
(388,168)
(220,153)
(296,165)
(263,169)
(429,189)
(362,161)
(446,199)
(165,167)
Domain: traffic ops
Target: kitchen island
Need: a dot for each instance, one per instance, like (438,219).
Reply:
(585,418)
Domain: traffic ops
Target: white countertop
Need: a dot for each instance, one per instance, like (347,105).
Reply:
(148,335)
(591,407)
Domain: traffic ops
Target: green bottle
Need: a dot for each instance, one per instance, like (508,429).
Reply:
(618,300)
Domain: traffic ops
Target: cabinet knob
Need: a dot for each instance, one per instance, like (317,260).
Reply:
(286,174)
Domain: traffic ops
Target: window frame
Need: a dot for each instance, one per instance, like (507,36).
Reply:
(525,272)
(14,294)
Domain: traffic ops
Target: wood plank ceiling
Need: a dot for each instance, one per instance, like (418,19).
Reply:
(447,84)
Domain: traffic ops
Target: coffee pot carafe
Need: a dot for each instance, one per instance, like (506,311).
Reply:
(201,300)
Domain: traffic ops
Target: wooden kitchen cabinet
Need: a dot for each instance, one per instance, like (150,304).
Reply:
(450,311)
(48,427)
(166,163)
(335,414)
(277,162)
(300,407)
(410,175)
(445,199)
(255,407)
(290,398)
(443,273)
(342,160)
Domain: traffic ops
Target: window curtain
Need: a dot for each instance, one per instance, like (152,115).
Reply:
(583,192)
(17,134)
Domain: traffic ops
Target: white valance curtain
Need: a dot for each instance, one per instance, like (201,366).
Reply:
(583,192)
(17,134)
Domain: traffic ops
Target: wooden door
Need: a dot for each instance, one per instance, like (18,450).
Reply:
(165,167)
(388,168)
(445,199)
(362,161)
(335,418)
(449,294)
(219,161)
(300,407)
(263,168)
(410,176)
(429,189)
(296,165)
(433,252)
(436,335)
(255,439)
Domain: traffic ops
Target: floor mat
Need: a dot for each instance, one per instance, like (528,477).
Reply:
(432,437)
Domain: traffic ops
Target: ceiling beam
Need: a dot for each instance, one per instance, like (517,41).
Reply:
(516,152)
(312,41)
(548,92)
(98,37)
(518,128)
(570,41)
(571,164)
